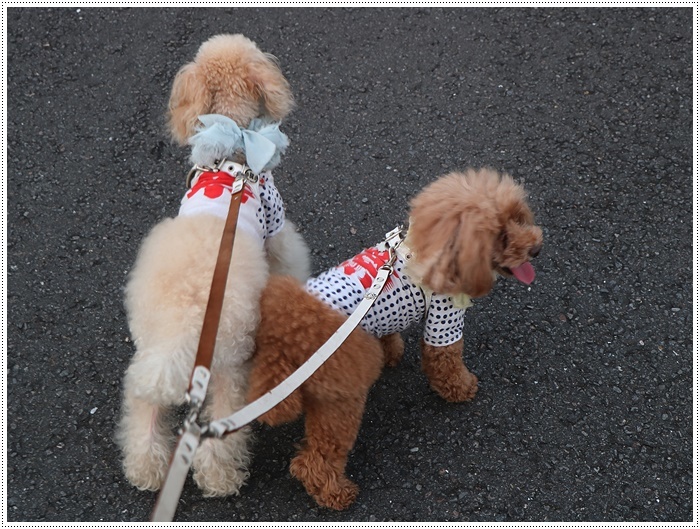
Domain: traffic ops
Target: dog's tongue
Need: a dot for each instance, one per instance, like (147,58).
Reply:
(524,273)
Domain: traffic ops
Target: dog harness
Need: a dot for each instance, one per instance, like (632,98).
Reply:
(400,304)
(262,210)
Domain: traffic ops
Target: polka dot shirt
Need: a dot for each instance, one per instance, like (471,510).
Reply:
(262,210)
(401,303)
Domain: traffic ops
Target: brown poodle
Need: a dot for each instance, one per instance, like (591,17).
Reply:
(465,228)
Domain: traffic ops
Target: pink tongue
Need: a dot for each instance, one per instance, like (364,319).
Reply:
(524,273)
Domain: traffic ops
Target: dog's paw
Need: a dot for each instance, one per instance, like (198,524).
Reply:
(322,483)
(146,471)
(220,466)
(217,481)
(339,496)
(459,386)
(393,348)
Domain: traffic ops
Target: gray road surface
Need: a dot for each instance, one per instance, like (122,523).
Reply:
(585,405)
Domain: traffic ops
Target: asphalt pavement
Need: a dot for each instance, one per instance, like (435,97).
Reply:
(585,407)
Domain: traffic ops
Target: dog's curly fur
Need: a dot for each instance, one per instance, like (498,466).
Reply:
(232,77)
(464,228)
(168,288)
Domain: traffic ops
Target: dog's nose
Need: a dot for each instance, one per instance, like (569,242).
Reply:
(535,250)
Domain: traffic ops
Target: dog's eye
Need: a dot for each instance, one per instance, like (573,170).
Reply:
(503,238)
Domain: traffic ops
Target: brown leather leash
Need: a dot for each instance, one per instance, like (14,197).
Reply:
(199,380)
(212,314)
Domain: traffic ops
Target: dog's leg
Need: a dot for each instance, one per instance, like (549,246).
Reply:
(146,439)
(393,347)
(331,430)
(447,373)
(160,374)
(220,465)
(270,368)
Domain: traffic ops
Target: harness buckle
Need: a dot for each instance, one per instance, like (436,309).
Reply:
(220,165)
(246,172)
(195,398)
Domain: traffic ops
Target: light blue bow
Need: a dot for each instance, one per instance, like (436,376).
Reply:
(262,143)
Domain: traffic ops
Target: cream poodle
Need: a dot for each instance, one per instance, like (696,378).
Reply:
(465,229)
(230,93)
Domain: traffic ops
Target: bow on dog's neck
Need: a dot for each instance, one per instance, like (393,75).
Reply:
(220,137)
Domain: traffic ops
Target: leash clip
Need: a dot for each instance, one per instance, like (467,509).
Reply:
(392,241)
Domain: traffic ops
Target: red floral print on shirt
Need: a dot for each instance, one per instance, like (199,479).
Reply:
(365,265)
(214,185)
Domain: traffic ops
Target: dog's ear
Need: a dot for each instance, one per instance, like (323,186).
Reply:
(452,236)
(272,88)
(189,98)
(463,265)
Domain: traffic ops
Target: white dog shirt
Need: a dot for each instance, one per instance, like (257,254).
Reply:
(400,304)
(262,210)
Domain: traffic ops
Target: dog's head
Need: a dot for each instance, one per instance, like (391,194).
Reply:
(229,76)
(466,227)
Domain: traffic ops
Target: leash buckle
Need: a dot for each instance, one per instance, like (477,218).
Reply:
(198,388)
(182,459)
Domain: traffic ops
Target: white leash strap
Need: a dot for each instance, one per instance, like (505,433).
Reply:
(187,445)
(272,398)
(169,496)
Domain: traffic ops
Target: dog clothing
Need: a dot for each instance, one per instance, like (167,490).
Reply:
(262,210)
(400,304)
